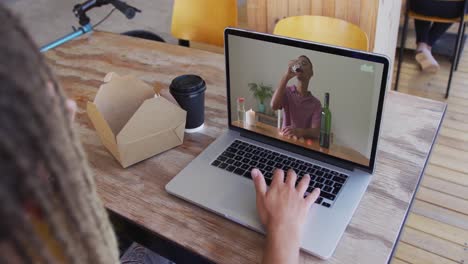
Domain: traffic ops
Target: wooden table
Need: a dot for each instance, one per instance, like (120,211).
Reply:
(334,149)
(137,194)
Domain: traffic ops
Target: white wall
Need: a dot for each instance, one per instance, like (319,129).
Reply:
(353,93)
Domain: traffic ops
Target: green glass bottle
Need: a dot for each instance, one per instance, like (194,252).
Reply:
(325,123)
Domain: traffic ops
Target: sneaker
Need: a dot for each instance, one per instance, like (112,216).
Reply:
(427,61)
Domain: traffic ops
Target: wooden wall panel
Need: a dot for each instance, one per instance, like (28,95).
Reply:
(257,15)
(386,31)
(276,10)
(328,8)
(354,12)
(299,7)
(341,9)
(368,19)
(316,7)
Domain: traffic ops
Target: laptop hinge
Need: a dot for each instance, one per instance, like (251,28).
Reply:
(297,150)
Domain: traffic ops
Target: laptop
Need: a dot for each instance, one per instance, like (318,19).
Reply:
(335,144)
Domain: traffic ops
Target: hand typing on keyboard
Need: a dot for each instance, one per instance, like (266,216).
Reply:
(241,157)
(283,210)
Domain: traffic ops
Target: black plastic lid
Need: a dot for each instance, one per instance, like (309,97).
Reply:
(187,84)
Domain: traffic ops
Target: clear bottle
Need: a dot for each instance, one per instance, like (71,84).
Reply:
(241,109)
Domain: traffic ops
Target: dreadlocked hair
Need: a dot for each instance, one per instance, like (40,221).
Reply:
(42,163)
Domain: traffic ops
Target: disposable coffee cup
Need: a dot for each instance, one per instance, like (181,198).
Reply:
(189,92)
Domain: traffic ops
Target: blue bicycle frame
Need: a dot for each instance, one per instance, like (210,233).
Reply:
(79,32)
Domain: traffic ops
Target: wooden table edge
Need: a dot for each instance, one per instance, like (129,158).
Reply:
(413,196)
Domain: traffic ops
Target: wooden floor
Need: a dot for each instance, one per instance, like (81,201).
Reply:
(437,227)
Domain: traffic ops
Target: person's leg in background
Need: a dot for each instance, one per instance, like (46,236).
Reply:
(427,33)
(437,30)
(422,33)
(425,40)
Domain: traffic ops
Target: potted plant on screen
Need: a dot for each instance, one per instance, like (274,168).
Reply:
(261,92)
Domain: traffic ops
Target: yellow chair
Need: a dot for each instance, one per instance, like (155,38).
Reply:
(323,29)
(457,49)
(203,20)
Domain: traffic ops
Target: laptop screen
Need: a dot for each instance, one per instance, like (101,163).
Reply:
(321,101)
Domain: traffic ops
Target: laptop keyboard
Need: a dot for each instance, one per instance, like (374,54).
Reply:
(241,157)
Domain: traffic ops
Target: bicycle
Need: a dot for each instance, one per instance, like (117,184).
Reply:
(85,22)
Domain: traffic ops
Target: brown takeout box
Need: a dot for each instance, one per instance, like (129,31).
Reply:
(133,122)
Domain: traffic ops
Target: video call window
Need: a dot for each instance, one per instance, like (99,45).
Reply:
(324,102)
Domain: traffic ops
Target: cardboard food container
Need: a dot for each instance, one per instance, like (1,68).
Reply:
(133,122)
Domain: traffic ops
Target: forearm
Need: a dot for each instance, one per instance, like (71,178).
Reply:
(281,249)
(278,94)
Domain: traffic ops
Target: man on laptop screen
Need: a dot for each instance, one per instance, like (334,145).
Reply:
(301,110)
(297,112)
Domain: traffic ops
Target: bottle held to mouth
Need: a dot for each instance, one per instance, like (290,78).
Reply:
(296,68)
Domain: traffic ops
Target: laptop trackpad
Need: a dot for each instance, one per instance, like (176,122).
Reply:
(239,203)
